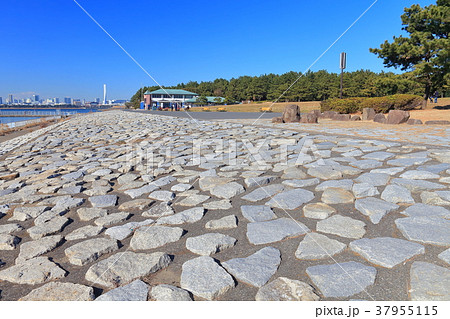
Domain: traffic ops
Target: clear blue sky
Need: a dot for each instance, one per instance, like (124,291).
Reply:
(54,49)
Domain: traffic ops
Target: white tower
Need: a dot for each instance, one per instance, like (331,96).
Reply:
(104,94)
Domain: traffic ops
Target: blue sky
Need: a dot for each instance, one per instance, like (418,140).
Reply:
(52,48)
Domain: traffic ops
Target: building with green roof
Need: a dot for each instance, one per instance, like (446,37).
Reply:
(168,98)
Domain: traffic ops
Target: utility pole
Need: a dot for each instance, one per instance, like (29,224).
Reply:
(343,64)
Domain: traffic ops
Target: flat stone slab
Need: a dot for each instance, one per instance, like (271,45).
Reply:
(123,231)
(136,204)
(53,226)
(255,269)
(274,230)
(88,213)
(397,194)
(318,246)
(169,293)
(429,282)
(419,174)
(228,190)
(8,242)
(136,192)
(291,199)
(159,210)
(374,208)
(227,222)
(134,291)
(324,172)
(342,279)
(374,179)
(428,230)
(342,226)
(189,216)
(60,291)
(34,271)
(84,232)
(150,237)
(424,210)
(193,200)
(223,204)
(298,183)
(210,243)
(386,251)
(164,196)
(90,250)
(263,192)
(205,278)
(285,289)
(257,213)
(103,201)
(333,195)
(112,219)
(445,256)
(416,185)
(318,210)
(38,247)
(123,268)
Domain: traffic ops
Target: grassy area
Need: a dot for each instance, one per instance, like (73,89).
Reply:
(256,107)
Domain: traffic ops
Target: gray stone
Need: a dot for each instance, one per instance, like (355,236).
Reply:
(90,250)
(429,230)
(159,210)
(209,182)
(445,256)
(364,190)
(103,201)
(298,183)
(342,226)
(317,246)
(386,251)
(258,181)
(366,164)
(163,181)
(334,195)
(223,204)
(193,200)
(53,226)
(8,242)
(285,289)
(263,192)
(112,219)
(419,175)
(136,192)
(255,269)
(205,278)
(23,213)
(390,170)
(318,210)
(291,199)
(374,179)
(60,291)
(258,213)
(407,161)
(429,282)
(379,156)
(123,231)
(342,279)
(150,237)
(228,190)
(374,208)
(274,230)
(10,228)
(138,204)
(423,210)
(84,232)
(227,222)
(397,194)
(134,291)
(164,196)
(38,247)
(87,213)
(210,243)
(123,268)
(324,172)
(169,293)
(181,187)
(343,183)
(191,215)
(34,271)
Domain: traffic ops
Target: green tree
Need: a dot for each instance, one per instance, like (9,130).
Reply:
(425,51)
(202,100)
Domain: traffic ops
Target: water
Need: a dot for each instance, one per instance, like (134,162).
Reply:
(6,119)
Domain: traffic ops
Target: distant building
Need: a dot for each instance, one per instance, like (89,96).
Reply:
(67,100)
(76,102)
(104,93)
(56,100)
(36,98)
(97,100)
(1,100)
(10,99)
(166,98)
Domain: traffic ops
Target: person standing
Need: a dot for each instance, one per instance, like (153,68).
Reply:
(436,95)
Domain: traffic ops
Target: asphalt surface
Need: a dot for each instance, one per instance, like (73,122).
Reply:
(212,115)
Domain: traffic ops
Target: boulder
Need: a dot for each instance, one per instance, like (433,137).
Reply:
(328,114)
(355,118)
(317,113)
(437,122)
(277,120)
(414,122)
(379,118)
(341,117)
(368,114)
(397,117)
(308,118)
(291,113)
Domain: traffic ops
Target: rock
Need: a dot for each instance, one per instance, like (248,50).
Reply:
(163,181)
(386,251)
(355,118)
(255,269)
(210,243)
(298,183)
(136,192)
(277,120)
(397,117)
(191,215)
(227,190)
(227,222)
(10,228)
(414,122)
(84,232)
(160,210)
(150,237)
(397,194)
(342,279)
(310,118)
(90,250)
(423,210)
(38,247)
(112,219)
(318,210)
(181,187)
(23,213)
(343,183)
(123,231)
(374,208)
(257,213)
(53,226)
(8,176)
(285,289)
(445,256)
(291,113)
(87,214)
(223,204)
(368,114)
(374,179)
(60,291)
(341,117)
(135,291)
(169,293)
(429,230)
(209,182)
(328,114)
(164,196)
(334,195)
(8,242)
(123,268)
(437,122)
(379,156)
(419,174)
(364,190)
(205,278)
(34,271)
(324,172)
(274,230)
(263,192)
(139,204)
(317,246)
(429,282)
(342,226)
(193,200)
(379,118)
(417,185)
(103,201)
(291,199)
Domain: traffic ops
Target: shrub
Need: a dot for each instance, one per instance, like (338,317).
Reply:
(350,105)
(384,104)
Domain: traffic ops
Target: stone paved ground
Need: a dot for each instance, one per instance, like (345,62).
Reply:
(126,206)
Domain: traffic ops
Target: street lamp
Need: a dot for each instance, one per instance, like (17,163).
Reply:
(343,64)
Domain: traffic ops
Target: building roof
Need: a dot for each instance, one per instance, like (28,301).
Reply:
(170,92)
